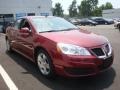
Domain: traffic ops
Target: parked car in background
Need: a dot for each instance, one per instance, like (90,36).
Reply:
(59,47)
(117,24)
(116,20)
(4,26)
(1,29)
(5,23)
(101,20)
(73,21)
(1,25)
(87,22)
(119,27)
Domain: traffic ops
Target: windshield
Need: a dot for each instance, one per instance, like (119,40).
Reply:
(52,24)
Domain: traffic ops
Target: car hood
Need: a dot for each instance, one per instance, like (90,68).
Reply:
(82,38)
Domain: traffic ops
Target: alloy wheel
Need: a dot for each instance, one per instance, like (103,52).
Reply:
(43,64)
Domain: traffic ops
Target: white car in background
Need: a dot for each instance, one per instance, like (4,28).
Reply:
(117,24)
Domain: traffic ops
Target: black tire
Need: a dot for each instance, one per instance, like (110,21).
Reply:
(106,23)
(45,64)
(8,46)
(119,27)
(90,24)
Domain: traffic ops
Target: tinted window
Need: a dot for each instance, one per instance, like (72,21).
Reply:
(24,23)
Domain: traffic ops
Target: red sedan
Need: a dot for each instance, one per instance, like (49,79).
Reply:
(59,47)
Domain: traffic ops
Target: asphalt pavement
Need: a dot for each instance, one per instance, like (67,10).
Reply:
(26,76)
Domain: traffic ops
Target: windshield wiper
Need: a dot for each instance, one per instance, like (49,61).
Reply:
(68,29)
(49,31)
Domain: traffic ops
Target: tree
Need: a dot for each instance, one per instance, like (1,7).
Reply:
(97,12)
(58,11)
(108,5)
(102,7)
(93,3)
(73,9)
(87,7)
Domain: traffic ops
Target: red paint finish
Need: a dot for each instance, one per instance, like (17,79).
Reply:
(65,65)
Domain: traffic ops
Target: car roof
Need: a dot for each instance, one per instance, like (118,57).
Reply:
(30,17)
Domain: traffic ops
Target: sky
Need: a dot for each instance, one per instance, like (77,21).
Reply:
(65,3)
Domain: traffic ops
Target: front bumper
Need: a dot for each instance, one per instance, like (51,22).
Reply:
(72,66)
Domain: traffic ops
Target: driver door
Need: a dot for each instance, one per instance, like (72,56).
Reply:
(25,39)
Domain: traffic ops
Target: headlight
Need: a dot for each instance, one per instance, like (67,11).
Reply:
(72,49)
(110,49)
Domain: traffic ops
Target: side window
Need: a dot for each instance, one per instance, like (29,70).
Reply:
(24,23)
(99,19)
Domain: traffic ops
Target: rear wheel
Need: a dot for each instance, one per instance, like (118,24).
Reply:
(119,27)
(8,46)
(90,24)
(106,23)
(44,63)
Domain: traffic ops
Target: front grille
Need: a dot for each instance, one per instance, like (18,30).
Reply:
(102,51)
(98,51)
(106,63)
(79,71)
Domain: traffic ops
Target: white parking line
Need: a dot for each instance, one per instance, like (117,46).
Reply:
(7,79)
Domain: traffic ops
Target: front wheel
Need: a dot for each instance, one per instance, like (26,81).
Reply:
(44,63)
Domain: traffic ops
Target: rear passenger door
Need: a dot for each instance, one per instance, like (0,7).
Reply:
(100,21)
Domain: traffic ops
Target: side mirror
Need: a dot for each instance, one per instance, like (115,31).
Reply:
(25,32)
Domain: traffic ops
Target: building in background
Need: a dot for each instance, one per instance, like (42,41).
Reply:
(14,9)
(111,13)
